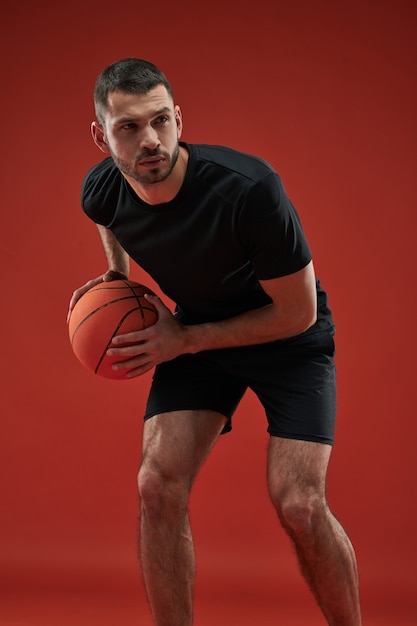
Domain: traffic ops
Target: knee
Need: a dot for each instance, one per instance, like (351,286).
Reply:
(161,494)
(300,512)
(150,485)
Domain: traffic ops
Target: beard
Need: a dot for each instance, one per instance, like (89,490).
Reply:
(154,175)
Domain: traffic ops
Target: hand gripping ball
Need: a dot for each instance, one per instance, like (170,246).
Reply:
(108,309)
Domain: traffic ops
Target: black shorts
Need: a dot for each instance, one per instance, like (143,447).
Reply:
(294,380)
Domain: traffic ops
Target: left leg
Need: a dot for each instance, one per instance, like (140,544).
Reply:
(296,480)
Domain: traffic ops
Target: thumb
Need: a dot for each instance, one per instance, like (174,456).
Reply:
(160,307)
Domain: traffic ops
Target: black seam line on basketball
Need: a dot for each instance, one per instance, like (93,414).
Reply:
(125,316)
(106,304)
(135,295)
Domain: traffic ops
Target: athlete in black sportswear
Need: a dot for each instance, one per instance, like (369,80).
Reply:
(218,233)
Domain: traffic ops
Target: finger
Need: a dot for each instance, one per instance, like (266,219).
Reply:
(153,299)
(160,307)
(138,371)
(135,367)
(135,338)
(74,299)
(78,293)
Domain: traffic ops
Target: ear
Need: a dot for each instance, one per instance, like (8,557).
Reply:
(99,136)
(178,119)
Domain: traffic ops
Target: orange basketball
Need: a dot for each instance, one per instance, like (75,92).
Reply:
(108,309)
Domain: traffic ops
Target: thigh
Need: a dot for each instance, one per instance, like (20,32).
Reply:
(176,444)
(297,467)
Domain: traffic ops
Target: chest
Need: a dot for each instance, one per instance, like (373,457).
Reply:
(197,245)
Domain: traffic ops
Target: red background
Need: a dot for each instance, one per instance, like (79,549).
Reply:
(326,92)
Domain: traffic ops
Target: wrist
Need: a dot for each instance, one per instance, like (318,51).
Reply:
(198,337)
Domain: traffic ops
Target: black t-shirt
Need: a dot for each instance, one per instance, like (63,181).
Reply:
(230,225)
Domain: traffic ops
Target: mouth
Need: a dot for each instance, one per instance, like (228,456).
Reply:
(152,162)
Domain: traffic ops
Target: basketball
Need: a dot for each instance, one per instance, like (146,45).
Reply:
(108,309)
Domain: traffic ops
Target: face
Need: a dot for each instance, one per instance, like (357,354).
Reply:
(141,132)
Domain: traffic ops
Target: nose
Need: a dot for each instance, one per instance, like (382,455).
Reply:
(149,138)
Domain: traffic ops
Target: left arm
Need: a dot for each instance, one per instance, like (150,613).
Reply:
(292,311)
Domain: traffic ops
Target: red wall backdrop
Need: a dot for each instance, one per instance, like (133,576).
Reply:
(326,92)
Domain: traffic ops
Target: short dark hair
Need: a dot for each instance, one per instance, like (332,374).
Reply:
(130,76)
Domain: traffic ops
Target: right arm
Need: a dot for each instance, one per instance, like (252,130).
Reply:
(117,258)
(117,262)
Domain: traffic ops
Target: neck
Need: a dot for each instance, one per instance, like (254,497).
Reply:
(165,191)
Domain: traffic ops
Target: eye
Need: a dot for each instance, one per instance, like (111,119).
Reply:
(128,126)
(162,119)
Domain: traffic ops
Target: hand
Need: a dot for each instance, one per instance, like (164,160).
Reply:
(107,277)
(163,341)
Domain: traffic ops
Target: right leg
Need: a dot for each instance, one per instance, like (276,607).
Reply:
(175,446)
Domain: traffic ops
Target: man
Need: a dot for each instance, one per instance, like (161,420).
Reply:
(216,230)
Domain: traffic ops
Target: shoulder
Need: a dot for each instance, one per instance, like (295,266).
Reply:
(229,162)
(101,187)
(103,173)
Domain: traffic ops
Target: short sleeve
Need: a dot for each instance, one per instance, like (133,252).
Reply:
(100,192)
(271,231)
